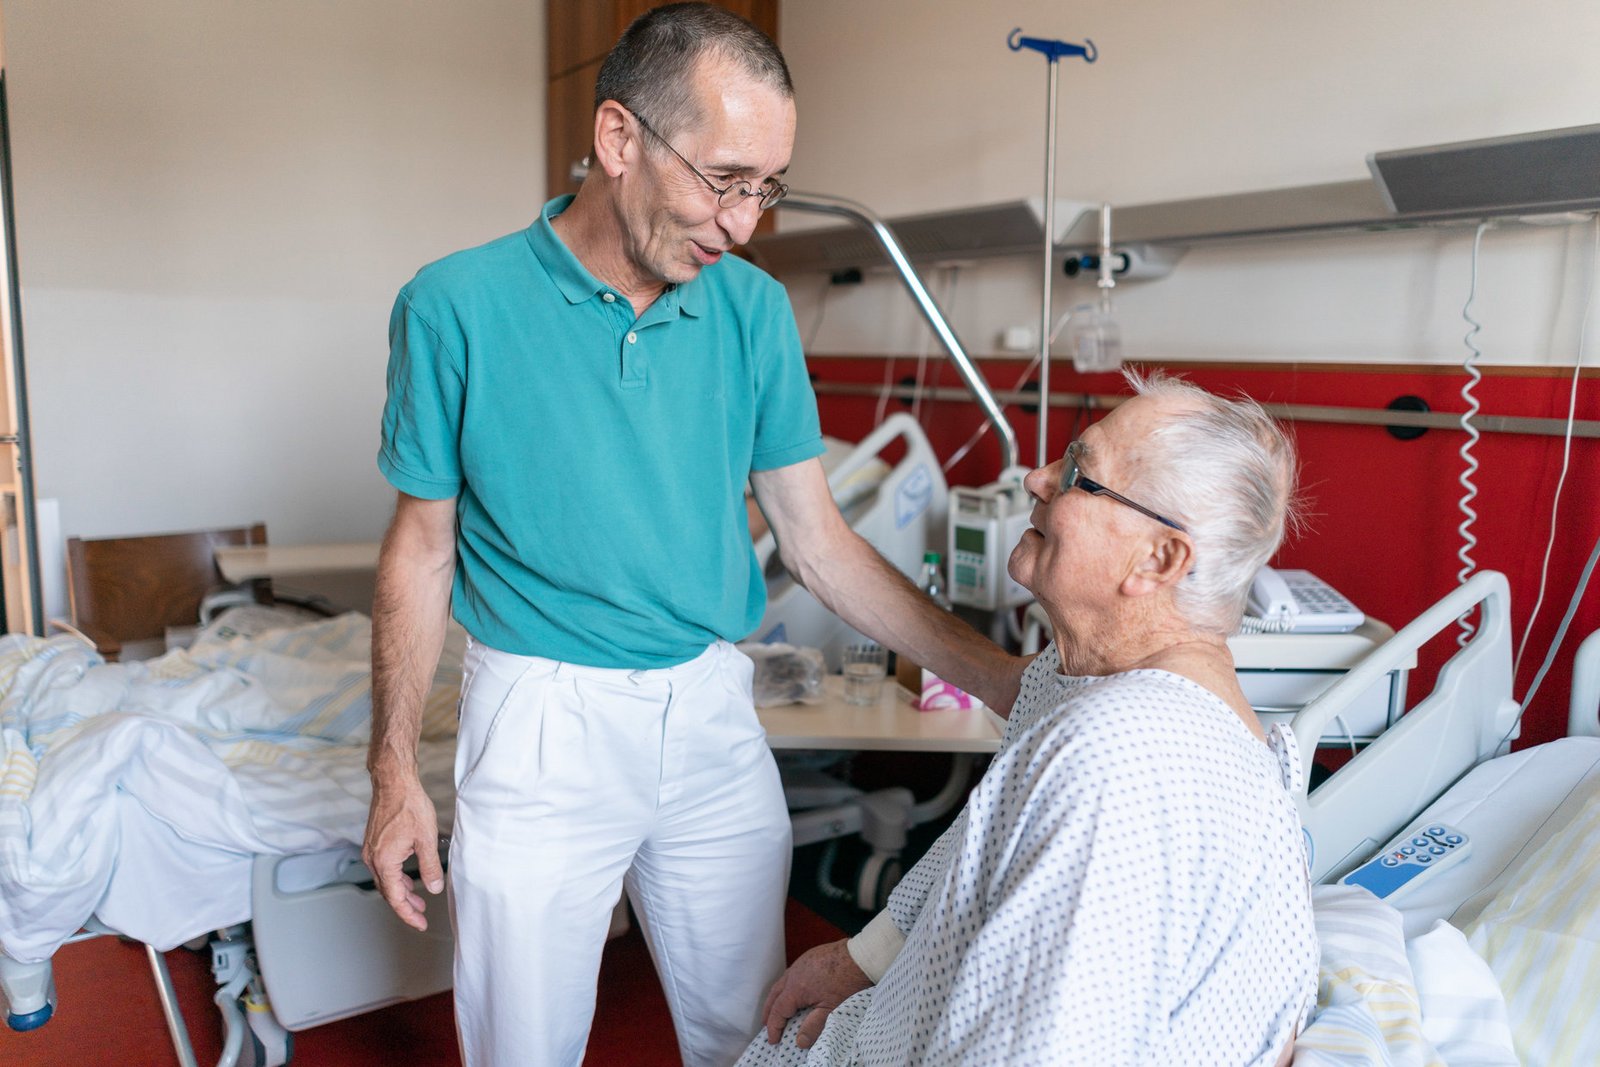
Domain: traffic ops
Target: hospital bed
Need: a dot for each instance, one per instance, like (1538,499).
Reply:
(1527,894)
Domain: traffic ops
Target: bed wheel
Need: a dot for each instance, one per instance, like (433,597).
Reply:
(880,873)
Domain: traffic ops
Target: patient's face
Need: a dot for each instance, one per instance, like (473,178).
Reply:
(1081,544)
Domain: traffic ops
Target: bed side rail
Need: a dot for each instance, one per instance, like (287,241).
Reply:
(1459,724)
(1583,713)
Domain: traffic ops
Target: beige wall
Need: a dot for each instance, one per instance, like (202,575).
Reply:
(217,200)
(216,203)
(912,105)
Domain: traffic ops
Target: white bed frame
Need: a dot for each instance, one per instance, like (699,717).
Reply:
(1469,717)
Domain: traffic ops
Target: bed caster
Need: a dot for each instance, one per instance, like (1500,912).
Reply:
(28,992)
(880,873)
(30,1020)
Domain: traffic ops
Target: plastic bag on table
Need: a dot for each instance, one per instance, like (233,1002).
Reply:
(786,674)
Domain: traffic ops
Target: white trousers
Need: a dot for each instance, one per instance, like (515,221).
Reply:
(575,782)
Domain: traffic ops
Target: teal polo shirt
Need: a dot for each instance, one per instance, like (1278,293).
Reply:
(597,461)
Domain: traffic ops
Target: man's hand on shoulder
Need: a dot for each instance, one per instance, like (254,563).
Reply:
(400,824)
(820,980)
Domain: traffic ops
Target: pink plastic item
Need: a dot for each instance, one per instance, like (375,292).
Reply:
(940,695)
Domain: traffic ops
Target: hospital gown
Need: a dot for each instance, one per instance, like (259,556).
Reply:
(1127,884)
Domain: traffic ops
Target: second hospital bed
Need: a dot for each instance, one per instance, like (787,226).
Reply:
(174,799)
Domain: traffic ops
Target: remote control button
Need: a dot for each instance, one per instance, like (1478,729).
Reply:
(1436,850)
(1407,850)
(1424,858)
(1453,839)
(1435,831)
(1421,842)
(1390,861)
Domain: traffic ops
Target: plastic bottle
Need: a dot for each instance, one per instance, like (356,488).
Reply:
(911,676)
(907,674)
(932,581)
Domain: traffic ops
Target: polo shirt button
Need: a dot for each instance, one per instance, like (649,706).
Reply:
(610,298)
(632,338)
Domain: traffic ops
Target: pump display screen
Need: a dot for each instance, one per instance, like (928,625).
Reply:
(969,539)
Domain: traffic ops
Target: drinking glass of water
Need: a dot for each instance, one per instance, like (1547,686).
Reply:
(865,667)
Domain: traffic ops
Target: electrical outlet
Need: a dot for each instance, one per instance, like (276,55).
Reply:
(1019,339)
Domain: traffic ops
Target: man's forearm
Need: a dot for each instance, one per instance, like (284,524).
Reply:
(409,614)
(865,590)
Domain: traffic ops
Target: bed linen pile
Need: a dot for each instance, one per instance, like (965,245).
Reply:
(138,793)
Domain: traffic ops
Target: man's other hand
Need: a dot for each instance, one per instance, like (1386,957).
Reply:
(401,823)
(820,980)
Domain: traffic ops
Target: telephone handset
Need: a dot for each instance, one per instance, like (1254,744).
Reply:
(1294,601)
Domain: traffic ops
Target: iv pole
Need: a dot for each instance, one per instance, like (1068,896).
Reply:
(1052,51)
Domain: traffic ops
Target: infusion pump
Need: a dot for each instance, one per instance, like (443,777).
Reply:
(985,525)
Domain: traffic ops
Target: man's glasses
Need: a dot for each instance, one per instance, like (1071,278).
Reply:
(736,194)
(1072,477)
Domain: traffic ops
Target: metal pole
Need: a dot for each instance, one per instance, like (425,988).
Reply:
(27,519)
(867,220)
(168,996)
(1043,450)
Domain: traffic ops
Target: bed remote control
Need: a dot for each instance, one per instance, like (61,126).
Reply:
(1430,847)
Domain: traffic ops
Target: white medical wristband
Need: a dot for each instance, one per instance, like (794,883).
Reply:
(876,946)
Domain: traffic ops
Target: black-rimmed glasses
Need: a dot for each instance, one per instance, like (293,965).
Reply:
(735,195)
(1072,476)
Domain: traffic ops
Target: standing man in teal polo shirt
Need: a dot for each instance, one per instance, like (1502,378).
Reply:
(573,413)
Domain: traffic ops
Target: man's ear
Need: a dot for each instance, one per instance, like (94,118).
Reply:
(613,138)
(1170,557)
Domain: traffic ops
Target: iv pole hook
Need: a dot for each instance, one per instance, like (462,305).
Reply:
(1052,50)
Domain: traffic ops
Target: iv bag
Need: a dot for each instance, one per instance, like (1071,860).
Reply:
(1094,339)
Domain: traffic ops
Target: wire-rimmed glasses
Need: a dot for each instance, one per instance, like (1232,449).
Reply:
(738,192)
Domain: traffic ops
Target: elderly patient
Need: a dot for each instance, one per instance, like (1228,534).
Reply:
(1127,884)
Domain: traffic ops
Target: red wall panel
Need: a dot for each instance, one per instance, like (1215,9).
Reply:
(1383,512)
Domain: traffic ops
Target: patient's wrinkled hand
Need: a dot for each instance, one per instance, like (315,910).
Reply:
(820,980)
(402,823)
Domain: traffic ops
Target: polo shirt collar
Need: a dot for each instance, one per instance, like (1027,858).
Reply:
(574,279)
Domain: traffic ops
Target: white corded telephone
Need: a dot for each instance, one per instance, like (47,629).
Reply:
(1293,601)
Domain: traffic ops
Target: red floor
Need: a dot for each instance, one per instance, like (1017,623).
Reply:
(107,1013)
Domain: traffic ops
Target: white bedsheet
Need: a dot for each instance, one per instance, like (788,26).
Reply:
(139,791)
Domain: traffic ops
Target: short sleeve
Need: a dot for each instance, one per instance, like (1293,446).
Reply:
(787,428)
(420,451)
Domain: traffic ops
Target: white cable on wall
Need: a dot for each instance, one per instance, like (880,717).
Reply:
(1469,541)
(818,315)
(951,276)
(1566,448)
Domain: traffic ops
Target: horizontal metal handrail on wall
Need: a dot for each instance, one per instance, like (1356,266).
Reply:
(1433,420)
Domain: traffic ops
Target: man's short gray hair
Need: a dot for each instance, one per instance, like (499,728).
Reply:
(650,70)
(1226,470)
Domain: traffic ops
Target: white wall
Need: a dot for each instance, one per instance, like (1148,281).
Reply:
(918,105)
(216,204)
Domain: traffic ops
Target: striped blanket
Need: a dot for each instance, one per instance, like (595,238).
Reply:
(138,792)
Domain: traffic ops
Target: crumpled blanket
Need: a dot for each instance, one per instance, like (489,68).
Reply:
(139,791)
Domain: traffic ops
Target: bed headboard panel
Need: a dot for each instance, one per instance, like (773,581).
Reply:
(1454,728)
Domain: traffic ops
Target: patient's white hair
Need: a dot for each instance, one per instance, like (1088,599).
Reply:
(1226,471)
